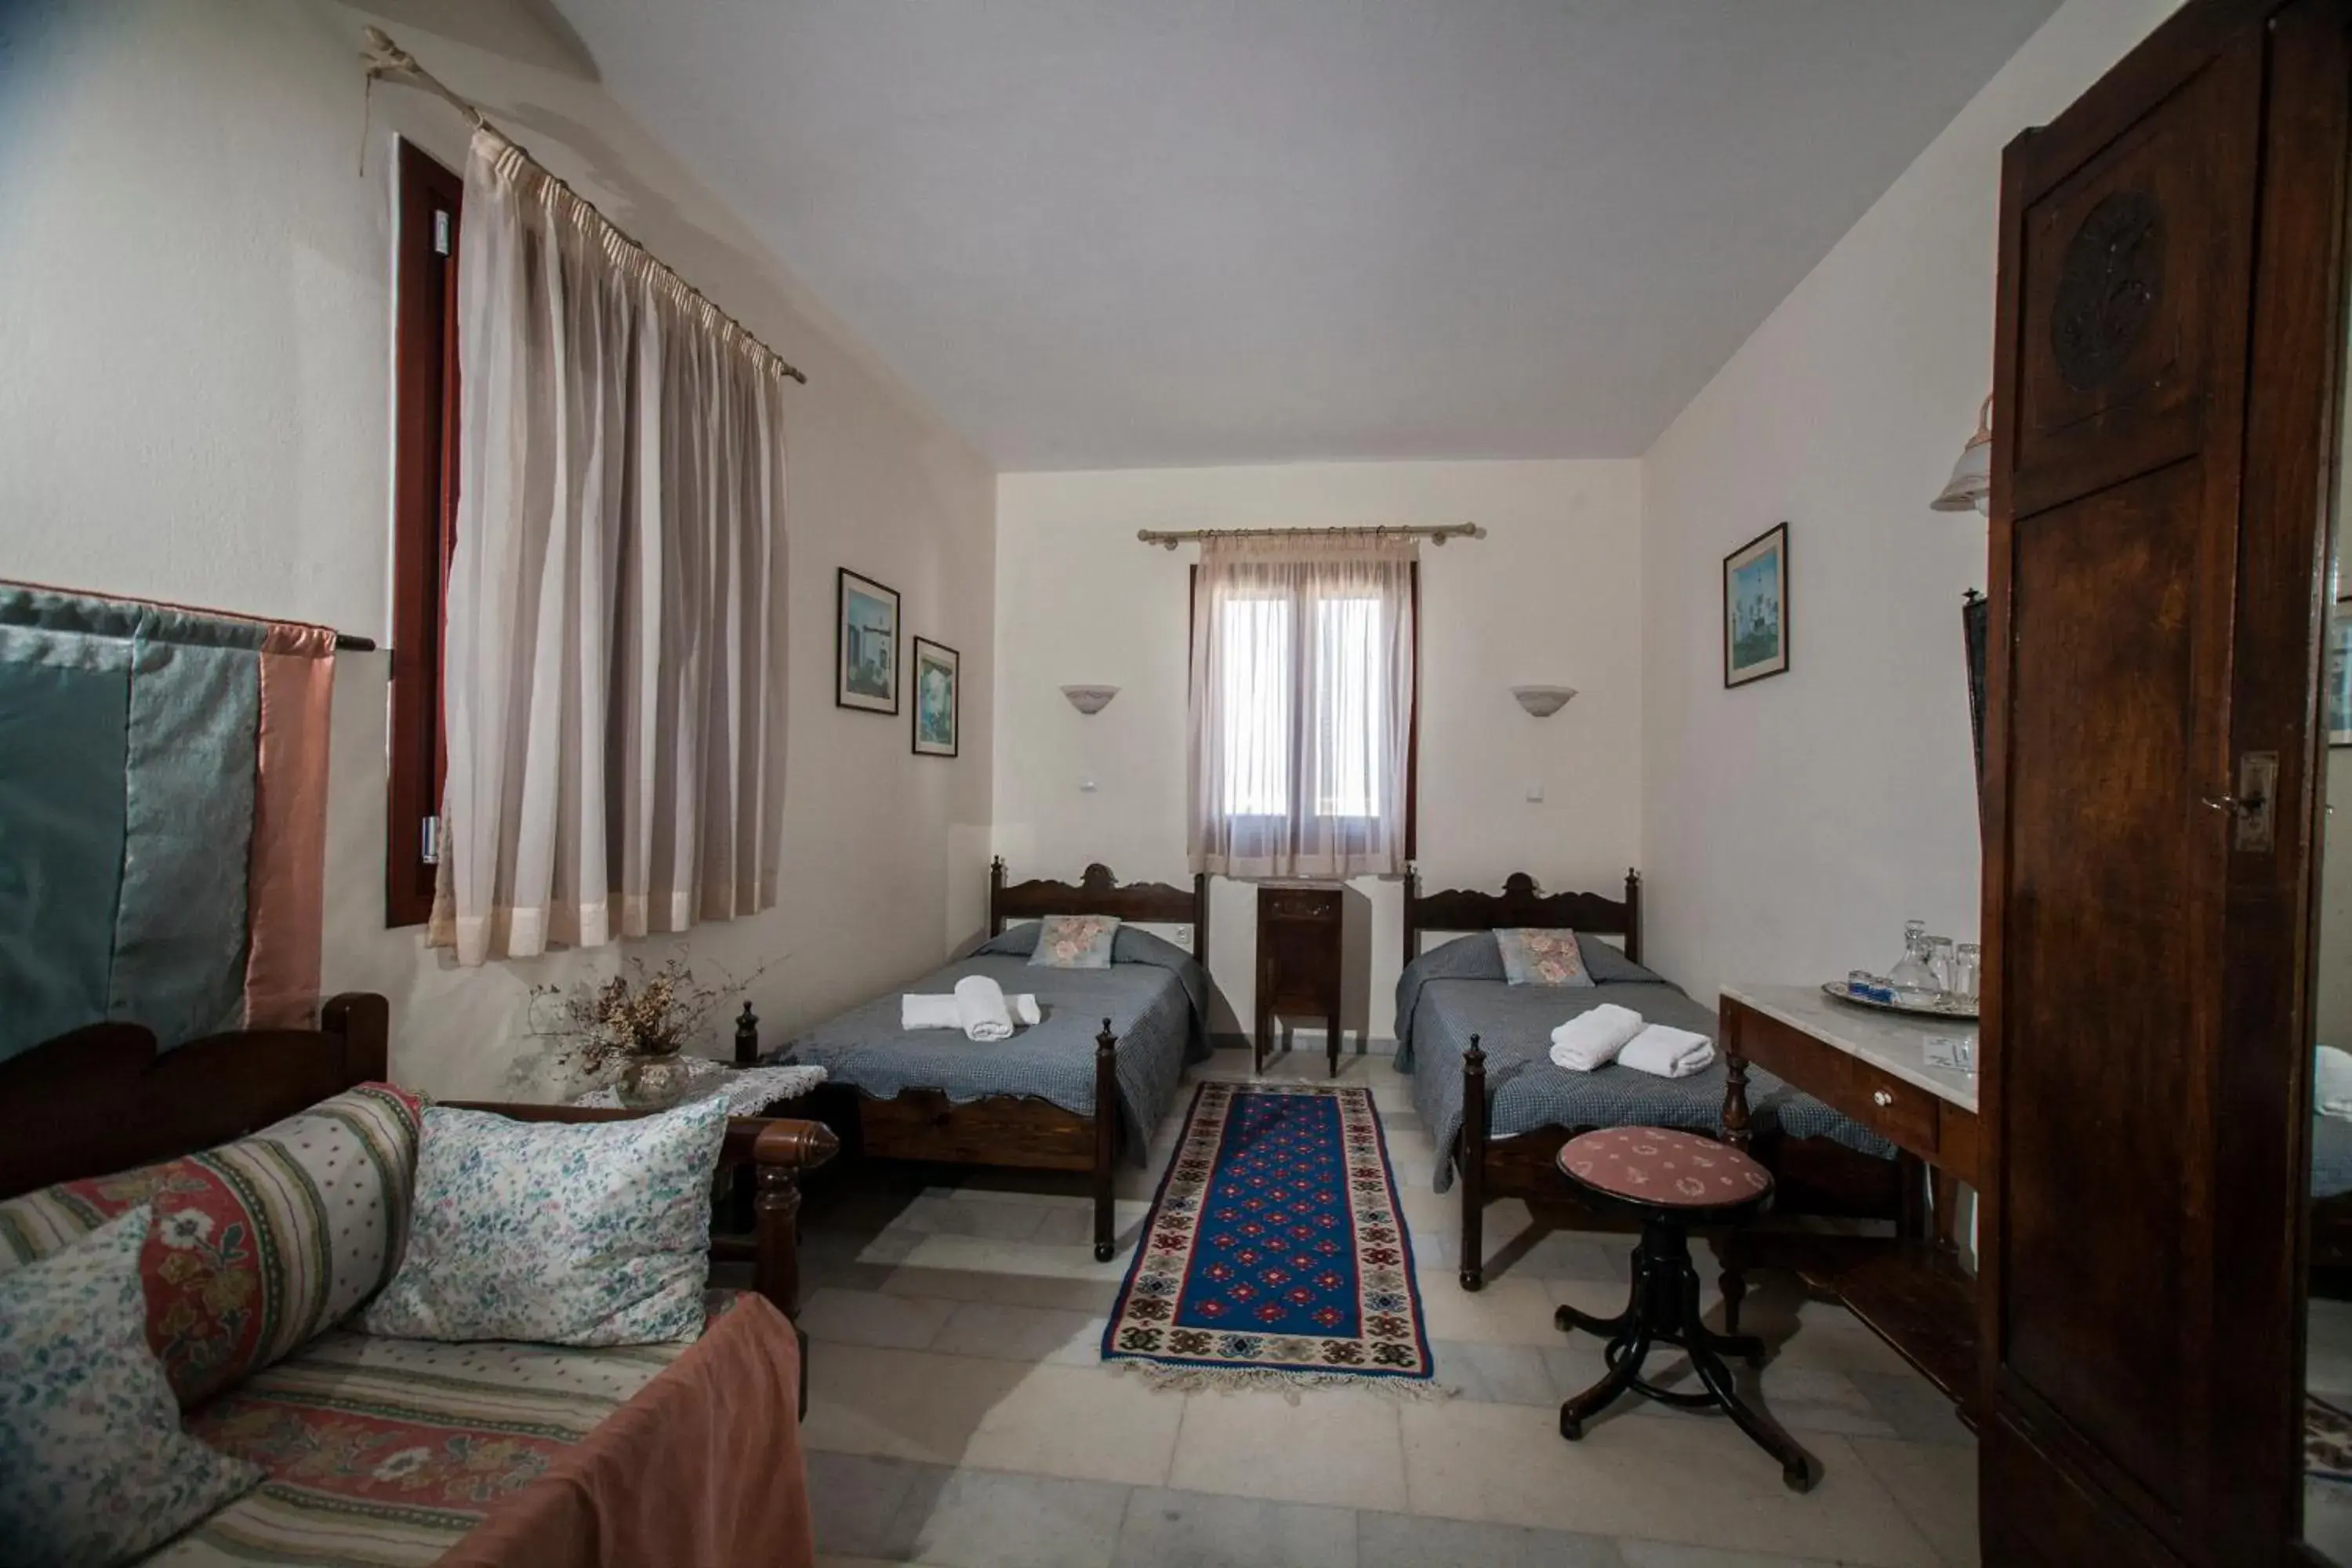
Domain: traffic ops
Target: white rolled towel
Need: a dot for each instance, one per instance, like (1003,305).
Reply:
(1593,1040)
(1668,1052)
(917,1012)
(2331,1088)
(981,1009)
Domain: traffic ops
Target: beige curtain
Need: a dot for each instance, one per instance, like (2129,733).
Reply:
(1301,705)
(614,660)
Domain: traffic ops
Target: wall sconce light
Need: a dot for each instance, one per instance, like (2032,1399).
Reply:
(1971,487)
(1543,701)
(1090,699)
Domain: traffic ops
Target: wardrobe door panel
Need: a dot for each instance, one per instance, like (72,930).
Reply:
(2162,394)
(2104,1024)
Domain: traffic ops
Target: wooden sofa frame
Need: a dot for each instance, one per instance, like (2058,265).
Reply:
(102,1099)
(1814,1175)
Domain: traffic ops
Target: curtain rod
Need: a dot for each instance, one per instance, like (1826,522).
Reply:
(1436,533)
(384,58)
(345,642)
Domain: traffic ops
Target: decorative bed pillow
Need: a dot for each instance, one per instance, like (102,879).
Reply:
(1608,964)
(1075,942)
(1542,958)
(257,1245)
(559,1233)
(93,1466)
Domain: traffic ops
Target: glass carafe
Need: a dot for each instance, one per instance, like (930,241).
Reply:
(1914,979)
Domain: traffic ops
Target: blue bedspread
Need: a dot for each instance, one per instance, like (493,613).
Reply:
(2331,1156)
(1451,992)
(1154,995)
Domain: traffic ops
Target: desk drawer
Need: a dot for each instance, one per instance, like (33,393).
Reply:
(1902,1113)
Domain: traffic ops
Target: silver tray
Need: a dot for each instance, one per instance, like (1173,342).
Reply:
(1961,1011)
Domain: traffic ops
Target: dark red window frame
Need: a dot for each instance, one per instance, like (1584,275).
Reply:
(1412,718)
(425,521)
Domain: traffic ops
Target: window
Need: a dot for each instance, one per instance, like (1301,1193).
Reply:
(1306,726)
(425,515)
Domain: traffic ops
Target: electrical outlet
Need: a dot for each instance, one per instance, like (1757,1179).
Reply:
(1085,787)
(1535,793)
(1183,936)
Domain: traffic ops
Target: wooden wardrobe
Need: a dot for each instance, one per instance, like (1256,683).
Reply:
(2169,327)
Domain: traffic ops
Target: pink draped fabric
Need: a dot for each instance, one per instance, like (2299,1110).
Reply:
(285,889)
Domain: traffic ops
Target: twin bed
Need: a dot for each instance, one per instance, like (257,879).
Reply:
(1478,1050)
(1118,1037)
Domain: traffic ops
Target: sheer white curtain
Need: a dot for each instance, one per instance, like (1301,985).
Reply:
(1301,705)
(613,686)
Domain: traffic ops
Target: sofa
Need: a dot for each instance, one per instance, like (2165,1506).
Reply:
(278,1167)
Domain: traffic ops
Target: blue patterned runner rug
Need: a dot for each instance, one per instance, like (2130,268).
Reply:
(1273,1255)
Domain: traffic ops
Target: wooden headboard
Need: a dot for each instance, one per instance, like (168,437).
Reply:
(1098,893)
(102,1099)
(1520,904)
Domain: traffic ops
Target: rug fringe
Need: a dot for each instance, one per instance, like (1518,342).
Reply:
(1290,1385)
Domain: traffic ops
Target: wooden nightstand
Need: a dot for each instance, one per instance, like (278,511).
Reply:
(1300,950)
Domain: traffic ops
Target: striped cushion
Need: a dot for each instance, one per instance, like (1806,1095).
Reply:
(256,1245)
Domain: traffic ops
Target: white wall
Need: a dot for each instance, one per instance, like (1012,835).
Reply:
(1792,826)
(1552,595)
(195,331)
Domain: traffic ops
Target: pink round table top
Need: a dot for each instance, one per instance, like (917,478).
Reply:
(1671,1170)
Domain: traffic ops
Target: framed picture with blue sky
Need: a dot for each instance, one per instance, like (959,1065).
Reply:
(865,646)
(1755,608)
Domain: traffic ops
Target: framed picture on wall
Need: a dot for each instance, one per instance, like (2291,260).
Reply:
(2339,675)
(865,644)
(1755,608)
(935,698)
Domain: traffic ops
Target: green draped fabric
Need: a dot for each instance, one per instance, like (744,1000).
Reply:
(127,756)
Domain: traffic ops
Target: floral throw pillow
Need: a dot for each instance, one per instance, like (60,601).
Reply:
(1542,958)
(1075,942)
(559,1233)
(257,1245)
(93,1466)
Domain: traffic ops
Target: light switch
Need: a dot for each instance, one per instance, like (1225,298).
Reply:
(1535,793)
(1085,787)
(1183,937)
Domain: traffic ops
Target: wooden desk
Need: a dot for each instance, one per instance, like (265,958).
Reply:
(1872,1066)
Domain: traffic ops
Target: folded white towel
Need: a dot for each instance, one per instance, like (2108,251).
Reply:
(940,1012)
(1668,1052)
(1593,1040)
(2331,1082)
(981,1009)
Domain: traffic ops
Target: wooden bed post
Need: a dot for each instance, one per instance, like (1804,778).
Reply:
(1412,892)
(363,1019)
(1471,1159)
(1105,1136)
(1200,917)
(747,1038)
(1633,914)
(996,895)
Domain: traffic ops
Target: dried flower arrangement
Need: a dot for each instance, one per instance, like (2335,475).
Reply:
(637,1016)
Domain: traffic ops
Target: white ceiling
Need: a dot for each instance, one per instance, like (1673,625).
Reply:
(1138,233)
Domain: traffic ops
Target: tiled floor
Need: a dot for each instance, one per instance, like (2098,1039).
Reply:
(959,1412)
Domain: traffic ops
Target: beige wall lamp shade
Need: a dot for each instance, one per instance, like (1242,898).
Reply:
(1971,487)
(1543,701)
(1090,698)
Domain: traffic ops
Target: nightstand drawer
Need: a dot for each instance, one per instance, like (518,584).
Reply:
(1302,903)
